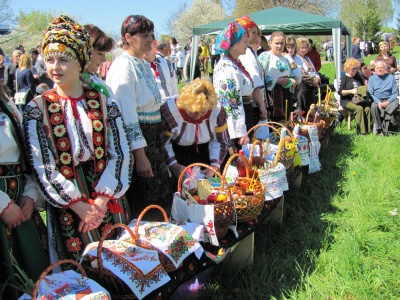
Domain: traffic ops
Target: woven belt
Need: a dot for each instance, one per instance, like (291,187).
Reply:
(10,169)
(246,99)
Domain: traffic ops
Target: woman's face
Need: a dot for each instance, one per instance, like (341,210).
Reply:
(291,50)
(352,72)
(384,48)
(302,49)
(98,57)
(62,71)
(241,45)
(277,44)
(252,34)
(140,43)
(366,71)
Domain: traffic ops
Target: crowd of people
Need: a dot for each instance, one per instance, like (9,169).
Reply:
(95,142)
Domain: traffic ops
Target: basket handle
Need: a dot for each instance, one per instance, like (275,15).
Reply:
(103,237)
(260,125)
(253,147)
(283,126)
(308,114)
(231,158)
(51,267)
(223,181)
(139,219)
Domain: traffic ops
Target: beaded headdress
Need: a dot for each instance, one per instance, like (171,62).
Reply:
(67,38)
(246,22)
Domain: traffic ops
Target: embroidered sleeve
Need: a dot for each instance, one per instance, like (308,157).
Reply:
(168,123)
(123,82)
(294,73)
(116,177)
(5,201)
(57,189)
(218,145)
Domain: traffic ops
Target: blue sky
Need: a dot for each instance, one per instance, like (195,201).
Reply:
(106,14)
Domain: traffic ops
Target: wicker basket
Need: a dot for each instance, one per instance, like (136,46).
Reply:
(51,267)
(164,260)
(224,212)
(286,160)
(303,130)
(114,285)
(248,207)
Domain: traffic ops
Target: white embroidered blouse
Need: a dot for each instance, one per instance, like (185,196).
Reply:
(136,93)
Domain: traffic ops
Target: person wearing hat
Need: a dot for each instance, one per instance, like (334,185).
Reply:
(256,108)
(77,146)
(233,83)
(132,81)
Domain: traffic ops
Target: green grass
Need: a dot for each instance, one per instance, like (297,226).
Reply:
(338,239)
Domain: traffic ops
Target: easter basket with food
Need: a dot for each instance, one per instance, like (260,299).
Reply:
(247,192)
(271,173)
(198,201)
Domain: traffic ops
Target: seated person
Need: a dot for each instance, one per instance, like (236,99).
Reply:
(383,90)
(350,85)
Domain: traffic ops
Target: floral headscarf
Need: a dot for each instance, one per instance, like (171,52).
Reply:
(228,37)
(246,22)
(66,37)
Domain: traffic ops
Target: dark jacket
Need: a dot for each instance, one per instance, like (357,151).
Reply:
(9,79)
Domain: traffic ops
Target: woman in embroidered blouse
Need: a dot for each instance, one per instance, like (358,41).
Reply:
(293,58)
(195,128)
(387,57)
(232,81)
(77,147)
(309,77)
(22,231)
(132,82)
(280,80)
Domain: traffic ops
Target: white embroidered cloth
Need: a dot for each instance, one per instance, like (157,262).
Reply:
(69,285)
(139,268)
(172,240)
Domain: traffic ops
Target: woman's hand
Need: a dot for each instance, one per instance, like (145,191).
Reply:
(293,82)
(282,81)
(12,216)
(383,104)
(27,205)
(210,173)
(143,166)
(354,91)
(244,140)
(177,169)
(89,214)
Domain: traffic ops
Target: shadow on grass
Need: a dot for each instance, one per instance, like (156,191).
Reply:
(285,253)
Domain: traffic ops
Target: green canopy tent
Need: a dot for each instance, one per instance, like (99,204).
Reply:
(290,22)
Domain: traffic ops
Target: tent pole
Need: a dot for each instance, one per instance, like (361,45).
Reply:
(337,55)
(193,55)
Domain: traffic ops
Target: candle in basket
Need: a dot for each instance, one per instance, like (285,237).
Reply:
(319,97)
(278,153)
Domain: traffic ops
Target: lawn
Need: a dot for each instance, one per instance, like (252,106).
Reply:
(340,235)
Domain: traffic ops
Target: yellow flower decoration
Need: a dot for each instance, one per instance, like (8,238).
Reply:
(54,107)
(65,158)
(59,130)
(93,104)
(98,126)
(99,152)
